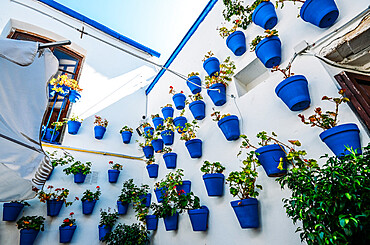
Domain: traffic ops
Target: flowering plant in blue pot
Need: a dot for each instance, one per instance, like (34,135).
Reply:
(107,221)
(100,127)
(293,90)
(152,168)
(229,125)
(321,13)
(197,106)
(157,120)
(167,131)
(157,142)
(167,111)
(79,170)
(147,148)
(89,199)
(54,199)
(12,209)
(339,138)
(267,48)
(213,178)
(211,64)
(216,85)
(30,227)
(74,124)
(67,229)
(178,98)
(193,145)
(126,133)
(114,172)
(169,157)
(235,39)
(194,83)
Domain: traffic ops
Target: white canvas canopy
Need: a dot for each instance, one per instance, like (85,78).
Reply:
(24,73)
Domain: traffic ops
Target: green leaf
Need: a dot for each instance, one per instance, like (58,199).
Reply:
(348,196)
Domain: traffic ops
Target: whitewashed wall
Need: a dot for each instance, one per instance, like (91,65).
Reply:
(260,110)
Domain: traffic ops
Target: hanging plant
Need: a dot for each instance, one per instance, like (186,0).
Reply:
(229,125)
(197,106)
(100,127)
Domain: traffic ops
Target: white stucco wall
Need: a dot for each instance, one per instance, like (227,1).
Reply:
(260,110)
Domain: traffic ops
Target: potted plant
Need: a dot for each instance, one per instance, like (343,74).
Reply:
(197,106)
(243,185)
(89,199)
(147,148)
(157,142)
(321,13)
(148,130)
(235,39)
(143,196)
(64,86)
(178,98)
(67,158)
(12,209)
(128,234)
(157,120)
(67,229)
(107,221)
(114,172)
(194,83)
(169,157)
(337,137)
(79,170)
(54,199)
(52,134)
(100,127)
(30,227)
(268,48)
(293,90)
(74,124)
(167,132)
(334,195)
(167,111)
(229,125)
(211,64)
(171,179)
(180,121)
(216,85)
(126,133)
(213,178)
(193,145)
(152,168)
(128,193)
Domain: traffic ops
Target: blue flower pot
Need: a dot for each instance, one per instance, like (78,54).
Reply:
(151,222)
(246,211)
(179,100)
(293,91)
(74,96)
(122,207)
(212,66)
(198,109)
(152,170)
(180,121)
(157,145)
(321,13)
(194,88)
(185,187)
(66,233)
(338,137)
(218,97)
(113,175)
(170,160)
(230,127)
(28,236)
(126,136)
(194,147)
(157,121)
(214,184)
(99,132)
(88,207)
(53,207)
(146,199)
(167,112)
(49,134)
(269,157)
(265,15)
(168,137)
(73,127)
(236,43)
(159,192)
(148,131)
(268,51)
(11,211)
(103,231)
(148,151)
(199,218)
(171,222)
(79,177)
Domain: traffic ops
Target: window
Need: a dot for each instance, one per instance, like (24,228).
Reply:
(358,91)
(69,63)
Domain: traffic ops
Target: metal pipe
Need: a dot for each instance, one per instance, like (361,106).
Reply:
(54,44)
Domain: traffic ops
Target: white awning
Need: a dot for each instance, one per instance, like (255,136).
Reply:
(23,99)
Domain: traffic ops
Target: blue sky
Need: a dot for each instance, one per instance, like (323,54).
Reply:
(157,24)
